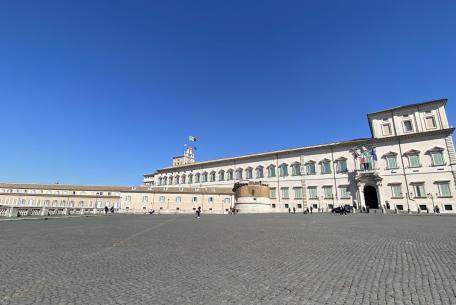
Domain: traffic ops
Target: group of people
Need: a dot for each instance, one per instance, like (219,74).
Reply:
(109,210)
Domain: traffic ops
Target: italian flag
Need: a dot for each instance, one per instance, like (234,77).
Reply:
(192,138)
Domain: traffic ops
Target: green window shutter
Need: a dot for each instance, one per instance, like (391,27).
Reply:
(392,162)
(414,161)
(437,158)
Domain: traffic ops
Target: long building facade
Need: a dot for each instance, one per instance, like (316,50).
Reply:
(408,165)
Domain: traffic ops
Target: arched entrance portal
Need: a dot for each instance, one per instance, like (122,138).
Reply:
(370,197)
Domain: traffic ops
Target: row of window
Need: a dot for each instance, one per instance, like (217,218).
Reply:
(413,157)
(56,192)
(344,192)
(419,191)
(55,203)
(178,199)
(407,124)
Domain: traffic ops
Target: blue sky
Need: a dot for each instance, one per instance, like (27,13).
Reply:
(101,92)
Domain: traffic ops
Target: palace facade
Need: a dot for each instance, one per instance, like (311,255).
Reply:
(408,165)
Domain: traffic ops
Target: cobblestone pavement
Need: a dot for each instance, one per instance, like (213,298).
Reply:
(241,259)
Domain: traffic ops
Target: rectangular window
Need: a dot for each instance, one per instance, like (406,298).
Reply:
(328,191)
(414,161)
(430,122)
(437,158)
(195,199)
(310,169)
(286,206)
(283,170)
(178,199)
(312,192)
(271,171)
(210,200)
(145,199)
(396,190)
(341,166)
(297,192)
(444,189)
(408,127)
(448,207)
(161,199)
(296,170)
(325,168)
(344,191)
(391,162)
(386,129)
(419,190)
(272,191)
(285,194)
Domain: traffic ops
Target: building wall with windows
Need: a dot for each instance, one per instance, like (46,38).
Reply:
(414,169)
(76,199)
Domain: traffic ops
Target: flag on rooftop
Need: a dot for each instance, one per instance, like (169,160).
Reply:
(192,138)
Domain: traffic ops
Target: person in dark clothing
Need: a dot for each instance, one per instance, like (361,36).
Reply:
(106,210)
(198,212)
(112,209)
(311,210)
(289,211)
(294,210)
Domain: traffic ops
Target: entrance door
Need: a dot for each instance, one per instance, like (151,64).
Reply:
(370,197)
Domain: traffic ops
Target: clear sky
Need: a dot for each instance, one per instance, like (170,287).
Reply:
(101,92)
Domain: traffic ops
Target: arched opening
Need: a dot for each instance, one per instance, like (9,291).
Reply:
(370,197)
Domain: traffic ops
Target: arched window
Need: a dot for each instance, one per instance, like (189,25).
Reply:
(160,181)
(204,177)
(170,180)
(271,171)
(296,169)
(197,178)
(177,179)
(283,170)
(190,178)
(221,175)
(165,180)
(183,178)
(259,172)
(239,174)
(212,176)
(248,173)
(229,174)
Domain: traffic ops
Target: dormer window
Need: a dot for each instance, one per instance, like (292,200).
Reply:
(408,126)
(386,129)
(430,122)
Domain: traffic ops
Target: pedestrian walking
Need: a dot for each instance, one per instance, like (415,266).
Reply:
(289,211)
(294,210)
(311,210)
(106,210)
(198,212)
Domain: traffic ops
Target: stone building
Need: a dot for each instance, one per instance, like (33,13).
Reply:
(407,165)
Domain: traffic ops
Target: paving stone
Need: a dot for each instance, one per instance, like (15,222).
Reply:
(237,259)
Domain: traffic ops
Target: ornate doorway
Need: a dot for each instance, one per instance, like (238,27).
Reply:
(370,197)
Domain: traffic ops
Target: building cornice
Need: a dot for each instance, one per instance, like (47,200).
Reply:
(349,144)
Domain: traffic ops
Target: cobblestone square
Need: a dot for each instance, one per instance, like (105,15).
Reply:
(222,259)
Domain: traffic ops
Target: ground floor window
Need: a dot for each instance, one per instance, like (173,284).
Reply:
(286,206)
(423,207)
(273,205)
(299,206)
(330,206)
(448,207)
(400,207)
(315,206)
